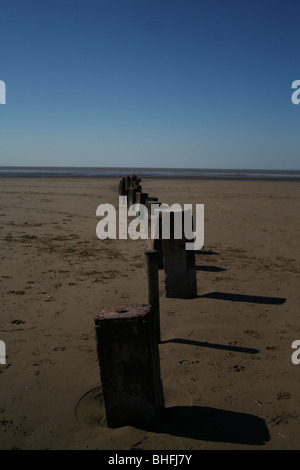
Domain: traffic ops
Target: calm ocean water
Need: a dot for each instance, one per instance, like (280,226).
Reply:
(82,172)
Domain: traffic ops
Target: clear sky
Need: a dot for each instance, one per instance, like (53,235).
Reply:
(150,83)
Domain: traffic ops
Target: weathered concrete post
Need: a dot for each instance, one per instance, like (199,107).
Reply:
(129,366)
(151,265)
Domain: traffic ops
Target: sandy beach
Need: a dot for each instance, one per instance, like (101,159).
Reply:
(228,378)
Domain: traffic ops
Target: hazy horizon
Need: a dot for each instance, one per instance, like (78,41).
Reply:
(153,168)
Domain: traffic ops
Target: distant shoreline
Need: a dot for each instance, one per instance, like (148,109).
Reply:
(165,173)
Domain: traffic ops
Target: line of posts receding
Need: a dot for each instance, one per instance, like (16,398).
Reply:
(128,336)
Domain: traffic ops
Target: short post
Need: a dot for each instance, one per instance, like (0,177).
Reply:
(151,265)
(129,366)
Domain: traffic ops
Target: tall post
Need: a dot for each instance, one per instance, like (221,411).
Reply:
(180,270)
(129,366)
(179,263)
(151,265)
(155,243)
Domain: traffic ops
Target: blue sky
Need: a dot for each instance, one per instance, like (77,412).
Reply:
(150,83)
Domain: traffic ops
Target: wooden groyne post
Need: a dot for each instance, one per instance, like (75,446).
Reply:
(122,187)
(154,243)
(131,196)
(179,263)
(129,365)
(141,198)
(151,266)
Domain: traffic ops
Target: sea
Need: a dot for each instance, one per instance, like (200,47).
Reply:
(174,173)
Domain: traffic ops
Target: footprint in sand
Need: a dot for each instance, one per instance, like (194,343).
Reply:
(237,368)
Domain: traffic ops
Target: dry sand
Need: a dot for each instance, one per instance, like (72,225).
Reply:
(228,378)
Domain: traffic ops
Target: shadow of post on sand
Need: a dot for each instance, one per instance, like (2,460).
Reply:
(212,424)
(257,299)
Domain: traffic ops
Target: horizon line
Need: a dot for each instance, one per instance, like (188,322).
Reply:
(151,168)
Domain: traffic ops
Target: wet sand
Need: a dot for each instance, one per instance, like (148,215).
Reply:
(228,378)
